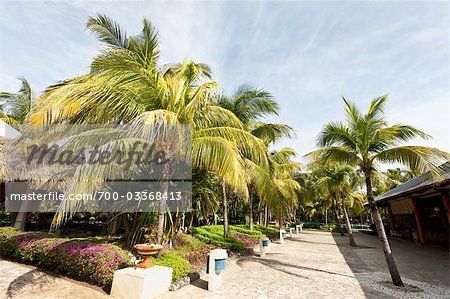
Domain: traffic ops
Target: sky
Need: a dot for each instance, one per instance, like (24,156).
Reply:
(307,54)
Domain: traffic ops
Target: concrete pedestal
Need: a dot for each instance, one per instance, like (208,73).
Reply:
(137,283)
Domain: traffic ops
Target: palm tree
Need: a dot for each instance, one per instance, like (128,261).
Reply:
(126,85)
(275,185)
(336,181)
(250,105)
(367,139)
(17,106)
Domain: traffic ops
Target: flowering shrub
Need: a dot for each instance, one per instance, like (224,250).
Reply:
(85,260)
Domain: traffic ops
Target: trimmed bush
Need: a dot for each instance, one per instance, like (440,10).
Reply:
(240,237)
(79,259)
(215,239)
(174,260)
(270,232)
(313,225)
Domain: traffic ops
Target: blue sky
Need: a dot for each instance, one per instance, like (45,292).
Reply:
(307,54)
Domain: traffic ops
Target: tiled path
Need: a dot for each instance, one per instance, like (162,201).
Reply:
(312,265)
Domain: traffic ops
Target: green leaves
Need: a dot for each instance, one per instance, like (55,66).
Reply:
(365,139)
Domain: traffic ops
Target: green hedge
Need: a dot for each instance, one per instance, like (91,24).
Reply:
(240,237)
(177,262)
(209,237)
(264,231)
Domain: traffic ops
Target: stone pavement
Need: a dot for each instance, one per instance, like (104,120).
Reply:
(312,265)
(20,281)
(318,264)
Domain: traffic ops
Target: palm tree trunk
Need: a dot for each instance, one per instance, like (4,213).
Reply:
(347,221)
(162,204)
(250,216)
(266,216)
(392,266)
(338,218)
(225,211)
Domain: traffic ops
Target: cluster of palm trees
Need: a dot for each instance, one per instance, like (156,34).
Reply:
(230,140)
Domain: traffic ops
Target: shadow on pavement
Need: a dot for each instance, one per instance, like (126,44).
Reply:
(200,283)
(34,279)
(414,261)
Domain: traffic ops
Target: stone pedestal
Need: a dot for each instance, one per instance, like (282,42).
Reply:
(137,283)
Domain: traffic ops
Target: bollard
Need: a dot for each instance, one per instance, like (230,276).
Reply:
(282,235)
(291,231)
(263,245)
(217,262)
(299,227)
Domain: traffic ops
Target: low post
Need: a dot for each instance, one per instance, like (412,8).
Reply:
(217,261)
(263,245)
(297,229)
(282,236)
(291,231)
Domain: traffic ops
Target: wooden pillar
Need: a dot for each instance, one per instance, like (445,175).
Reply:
(418,221)
(446,204)
(391,217)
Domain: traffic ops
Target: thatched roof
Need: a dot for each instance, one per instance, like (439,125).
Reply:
(420,183)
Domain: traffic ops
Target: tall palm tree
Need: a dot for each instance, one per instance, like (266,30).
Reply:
(126,85)
(367,139)
(276,186)
(250,105)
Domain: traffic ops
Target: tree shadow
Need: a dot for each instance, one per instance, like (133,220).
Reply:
(283,267)
(200,283)
(310,242)
(35,279)
(414,261)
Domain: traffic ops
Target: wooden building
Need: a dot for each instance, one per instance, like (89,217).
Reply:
(419,208)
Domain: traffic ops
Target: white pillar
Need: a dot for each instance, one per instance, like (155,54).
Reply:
(282,232)
(262,248)
(214,275)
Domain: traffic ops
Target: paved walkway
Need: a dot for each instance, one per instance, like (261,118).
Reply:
(321,265)
(312,265)
(20,281)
